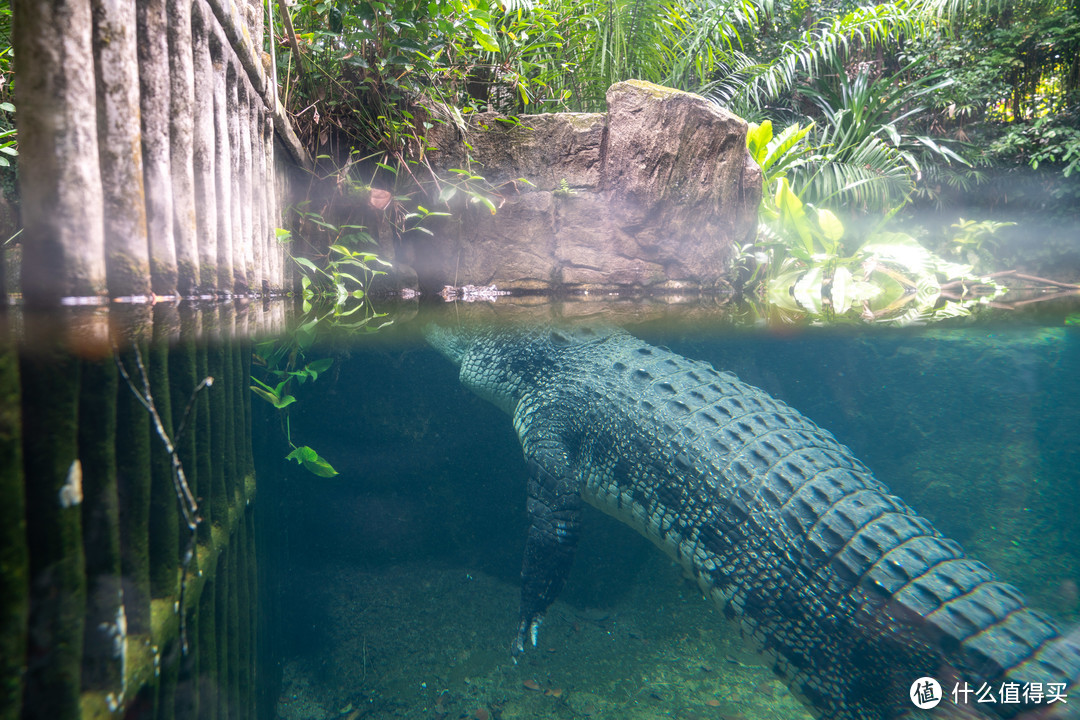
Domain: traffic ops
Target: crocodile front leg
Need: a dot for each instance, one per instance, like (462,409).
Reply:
(554,506)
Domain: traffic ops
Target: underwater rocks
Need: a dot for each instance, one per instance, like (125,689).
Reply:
(655,195)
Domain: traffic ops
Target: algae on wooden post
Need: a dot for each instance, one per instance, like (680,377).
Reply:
(244,676)
(247,236)
(164,509)
(127,256)
(203,148)
(53,474)
(181,127)
(133,487)
(203,445)
(222,160)
(258,199)
(106,620)
(59,180)
(154,105)
(223,582)
(14,557)
(233,627)
(208,651)
(219,400)
(233,78)
(187,681)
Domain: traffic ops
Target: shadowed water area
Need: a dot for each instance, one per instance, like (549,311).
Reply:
(391,589)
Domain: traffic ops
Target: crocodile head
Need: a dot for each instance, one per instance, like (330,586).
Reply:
(500,363)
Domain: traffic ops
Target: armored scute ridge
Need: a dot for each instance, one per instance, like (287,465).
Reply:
(851,594)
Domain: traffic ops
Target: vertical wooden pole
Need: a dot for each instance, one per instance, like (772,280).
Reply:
(219,496)
(258,213)
(236,702)
(164,509)
(157,175)
(208,652)
(251,611)
(232,102)
(14,556)
(133,488)
(244,679)
(203,149)
(50,392)
(187,682)
(221,620)
(181,143)
(106,619)
(59,180)
(219,50)
(243,110)
(127,255)
(204,445)
(169,674)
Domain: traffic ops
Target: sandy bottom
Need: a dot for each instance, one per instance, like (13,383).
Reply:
(421,641)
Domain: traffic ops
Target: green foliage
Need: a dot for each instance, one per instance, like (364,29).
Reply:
(809,271)
(280,362)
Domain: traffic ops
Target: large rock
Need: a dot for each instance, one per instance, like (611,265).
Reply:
(655,194)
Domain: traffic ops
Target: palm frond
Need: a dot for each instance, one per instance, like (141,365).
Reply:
(823,46)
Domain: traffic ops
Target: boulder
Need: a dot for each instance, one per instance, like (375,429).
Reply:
(655,194)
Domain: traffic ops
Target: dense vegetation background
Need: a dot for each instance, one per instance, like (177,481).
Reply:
(938,109)
(953,117)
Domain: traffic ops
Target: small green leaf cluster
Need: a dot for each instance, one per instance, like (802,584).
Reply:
(279,360)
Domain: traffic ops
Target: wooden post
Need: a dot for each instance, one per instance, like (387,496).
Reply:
(222,161)
(258,210)
(60,183)
(14,556)
(181,130)
(106,620)
(208,652)
(221,621)
(204,446)
(53,474)
(203,149)
(164,508)
(127,256)
(244,677)
(157,175)
(243,110)
(233,79)
(251,612)
(133,487)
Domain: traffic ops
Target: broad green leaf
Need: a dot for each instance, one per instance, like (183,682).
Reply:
(830,225)
(312,462)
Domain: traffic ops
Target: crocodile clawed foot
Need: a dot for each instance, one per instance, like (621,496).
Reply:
(530,628)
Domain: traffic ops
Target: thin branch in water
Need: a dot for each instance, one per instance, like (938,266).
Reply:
(188,505)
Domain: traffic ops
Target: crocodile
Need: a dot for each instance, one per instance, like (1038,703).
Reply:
(851,595)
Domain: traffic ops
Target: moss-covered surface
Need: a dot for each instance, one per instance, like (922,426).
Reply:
(14,556)
(50,391)
(133,488)
(201,432)
(164,504)
(103,666)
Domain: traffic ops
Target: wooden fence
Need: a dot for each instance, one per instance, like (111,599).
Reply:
(99,616)
(153,149)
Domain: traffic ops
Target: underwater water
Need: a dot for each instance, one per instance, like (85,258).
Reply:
(391,589)
(404,572)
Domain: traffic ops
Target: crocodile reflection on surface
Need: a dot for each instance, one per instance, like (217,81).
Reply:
(849,592)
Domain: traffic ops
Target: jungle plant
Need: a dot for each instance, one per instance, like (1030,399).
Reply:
(808,269)
(284,363)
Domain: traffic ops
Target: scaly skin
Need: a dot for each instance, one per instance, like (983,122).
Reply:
(850,593)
